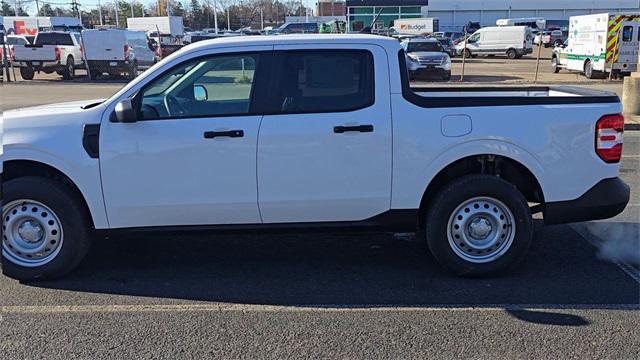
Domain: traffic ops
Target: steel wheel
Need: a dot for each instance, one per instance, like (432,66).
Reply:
(32,233)
(481,230)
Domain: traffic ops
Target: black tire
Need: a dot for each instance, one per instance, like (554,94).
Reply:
(467,53)
(447,76)
(133,71)
(589,73)
(74,224)
(69,71)
(554,65)
(457,193)
(512,54)
(93,73)
(27,72)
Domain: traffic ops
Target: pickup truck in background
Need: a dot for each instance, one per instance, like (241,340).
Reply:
(52,51)
(307,133)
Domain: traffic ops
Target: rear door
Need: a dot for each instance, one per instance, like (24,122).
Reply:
(324,153)
(629,43)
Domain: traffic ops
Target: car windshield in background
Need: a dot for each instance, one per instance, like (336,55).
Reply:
(54,39)
(424,46)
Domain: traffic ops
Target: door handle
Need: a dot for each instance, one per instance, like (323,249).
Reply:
(230,133)
(358,128)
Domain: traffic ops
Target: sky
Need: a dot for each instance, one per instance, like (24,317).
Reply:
(92,4)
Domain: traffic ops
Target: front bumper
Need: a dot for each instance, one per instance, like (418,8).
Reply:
(604,200)
(429,71)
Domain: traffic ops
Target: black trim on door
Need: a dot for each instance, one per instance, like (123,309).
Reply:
(585,96)
(397,220)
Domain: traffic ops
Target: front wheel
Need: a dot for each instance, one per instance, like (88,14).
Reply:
(46,231)
(512,54)
(479,225)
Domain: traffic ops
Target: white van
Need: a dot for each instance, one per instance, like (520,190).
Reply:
(512,41)
(117,52)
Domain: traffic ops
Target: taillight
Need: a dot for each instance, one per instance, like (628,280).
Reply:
(126,52)
(609,138)
(57,54)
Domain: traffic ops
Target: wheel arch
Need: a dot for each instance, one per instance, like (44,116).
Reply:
(500,165)
(13,169)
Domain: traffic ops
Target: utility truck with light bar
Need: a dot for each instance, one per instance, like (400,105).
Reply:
(599,44)
(307,133)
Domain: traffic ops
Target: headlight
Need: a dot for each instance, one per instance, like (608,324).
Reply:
(412,57)
(446,63)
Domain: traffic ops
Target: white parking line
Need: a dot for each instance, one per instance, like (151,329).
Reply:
(63,309)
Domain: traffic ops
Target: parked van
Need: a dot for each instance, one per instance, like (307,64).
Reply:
(117,52)
(512,41)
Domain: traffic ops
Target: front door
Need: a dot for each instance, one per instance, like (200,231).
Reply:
(191,158)
(324,154)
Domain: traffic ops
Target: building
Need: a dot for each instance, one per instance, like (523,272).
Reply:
(362,13)
(453,15)
(331,8)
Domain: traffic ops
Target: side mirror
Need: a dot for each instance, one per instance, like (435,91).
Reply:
(200,93)
(125,112)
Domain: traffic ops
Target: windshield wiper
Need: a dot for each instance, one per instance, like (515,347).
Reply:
(92,105)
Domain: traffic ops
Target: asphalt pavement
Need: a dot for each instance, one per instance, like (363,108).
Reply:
(171,296)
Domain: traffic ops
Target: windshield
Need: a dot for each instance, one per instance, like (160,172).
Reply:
(424,46)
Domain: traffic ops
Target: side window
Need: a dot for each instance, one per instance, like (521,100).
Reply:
(215,86)
(627,33)
(325,81)
(474,38)
(78,39)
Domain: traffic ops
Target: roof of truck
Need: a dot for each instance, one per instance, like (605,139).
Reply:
(386,42)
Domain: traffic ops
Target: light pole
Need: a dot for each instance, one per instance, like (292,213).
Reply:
(117,19)
(215,15)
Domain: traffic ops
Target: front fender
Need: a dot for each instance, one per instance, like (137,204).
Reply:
(84,173)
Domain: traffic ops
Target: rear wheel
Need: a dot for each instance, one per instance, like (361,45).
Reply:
(479,225)
(133,71)
(554,65)
(69,71)
(27,72)
(45,229)
(512,54)
(589,73)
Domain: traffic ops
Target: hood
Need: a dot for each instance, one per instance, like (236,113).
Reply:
(49,119)
(71,105)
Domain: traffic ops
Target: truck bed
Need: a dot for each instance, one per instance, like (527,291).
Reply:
(466,96)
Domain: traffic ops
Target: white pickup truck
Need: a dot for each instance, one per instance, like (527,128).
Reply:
(52,51)
(307,133)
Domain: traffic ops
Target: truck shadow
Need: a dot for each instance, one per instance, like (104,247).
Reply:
(365,270)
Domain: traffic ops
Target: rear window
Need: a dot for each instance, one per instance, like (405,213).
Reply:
(627,33)
(16,41)
(325,81)
(54,39)
(423,46)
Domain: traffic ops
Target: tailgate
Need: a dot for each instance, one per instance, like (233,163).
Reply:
(34,53)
